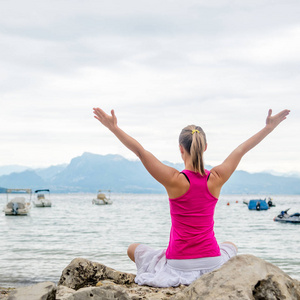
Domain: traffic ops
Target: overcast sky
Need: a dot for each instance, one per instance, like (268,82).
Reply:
(161,65)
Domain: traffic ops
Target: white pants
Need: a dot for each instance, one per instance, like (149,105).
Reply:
(154,269)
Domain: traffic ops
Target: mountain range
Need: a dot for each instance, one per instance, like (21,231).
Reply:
(91,172)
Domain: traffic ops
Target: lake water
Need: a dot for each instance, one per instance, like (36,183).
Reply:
(39,246)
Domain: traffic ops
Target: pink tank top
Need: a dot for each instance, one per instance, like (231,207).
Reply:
(192,215)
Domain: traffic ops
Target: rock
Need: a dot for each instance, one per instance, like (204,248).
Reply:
(90,278)
(137,292)
(100,293)
(243,277)
(40,291)
(63,292)
(5,292)
(82,273)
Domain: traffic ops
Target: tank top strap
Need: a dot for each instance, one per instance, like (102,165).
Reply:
(187,178)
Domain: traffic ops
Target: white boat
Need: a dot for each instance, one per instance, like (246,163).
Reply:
(40,200)
(18,206)
(102,199)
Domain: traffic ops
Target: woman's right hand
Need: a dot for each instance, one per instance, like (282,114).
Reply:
(108,121)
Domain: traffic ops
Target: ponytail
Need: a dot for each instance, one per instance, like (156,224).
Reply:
(193,139)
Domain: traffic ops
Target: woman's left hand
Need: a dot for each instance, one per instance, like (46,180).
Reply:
(273,121)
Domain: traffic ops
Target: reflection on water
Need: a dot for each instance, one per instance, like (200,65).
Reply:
(38,247)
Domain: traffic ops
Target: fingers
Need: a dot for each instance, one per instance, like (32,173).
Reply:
(99,113)
(286,113)
(269,112)
(283,114)
(107,120)
(96,111)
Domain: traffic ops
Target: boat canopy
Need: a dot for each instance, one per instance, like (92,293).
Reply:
(45,190)
(20,191)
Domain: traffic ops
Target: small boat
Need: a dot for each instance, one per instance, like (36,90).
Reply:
(18,206)
(102,199)
(284,217)
(260,204)
(41,201)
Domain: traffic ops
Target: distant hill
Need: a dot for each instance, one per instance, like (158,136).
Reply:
(8,169)
(50,172)
(242,182)
(22,180)
(90,172)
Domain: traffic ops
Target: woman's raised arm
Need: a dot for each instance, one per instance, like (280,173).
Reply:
(164,174)
(223,172)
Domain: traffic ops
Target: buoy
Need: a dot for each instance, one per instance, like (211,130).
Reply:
(236,201)
(228,203)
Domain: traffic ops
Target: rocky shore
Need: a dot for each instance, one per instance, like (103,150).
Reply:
(243,277)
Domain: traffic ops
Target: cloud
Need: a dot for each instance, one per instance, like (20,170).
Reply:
(160,64)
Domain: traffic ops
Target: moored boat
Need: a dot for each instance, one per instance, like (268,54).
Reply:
(18,205)
(102,199)
(40,200)
(260,204)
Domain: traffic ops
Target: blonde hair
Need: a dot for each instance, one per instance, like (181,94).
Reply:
(193,140)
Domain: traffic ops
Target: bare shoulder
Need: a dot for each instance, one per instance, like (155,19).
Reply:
(219,173)
(179,187)
(215,174)
(214,182)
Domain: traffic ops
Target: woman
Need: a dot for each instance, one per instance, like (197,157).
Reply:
(193,194)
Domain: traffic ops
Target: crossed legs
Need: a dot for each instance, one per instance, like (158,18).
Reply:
(131,250)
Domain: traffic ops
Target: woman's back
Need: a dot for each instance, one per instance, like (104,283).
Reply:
(192,234)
